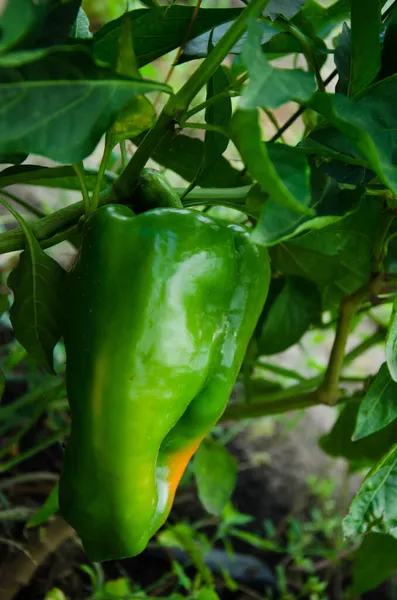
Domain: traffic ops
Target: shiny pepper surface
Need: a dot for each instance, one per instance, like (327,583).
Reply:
(160,308)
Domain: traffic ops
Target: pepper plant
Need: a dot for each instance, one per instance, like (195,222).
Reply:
(322,206)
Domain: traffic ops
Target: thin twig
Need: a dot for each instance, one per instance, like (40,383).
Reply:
(297,397)
(328,392)
(181,47)
(79,169)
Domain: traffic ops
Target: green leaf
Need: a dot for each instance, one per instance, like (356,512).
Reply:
(281,43)
(2,383)
(24,24)
(152,4)
(278,223)
(136,116)
(183,579)
(57,25)
(126,59)
(389,49)
(156,33)
(271,33)
(186,537)
(289,316)
(358,51)
(118,588)
(363,452)
(275,40)
(379,407)
(324,18)
(365,44)
(390,266)
(287,8)
(327,142)
(3,303)
(19,58)
(374,507)
(81,27)
(268,86)
(55,177)
(352,175)
(342,60)
(218,114)
(46,510)
(337,258)
(369,125)
(182,154)
(206,594)
(36,312)
(64,87)
(391,343)
(216,475)
(318,47)
(233,518)
(374,561)
(247,136)
(3,308)
(55,594)
(20,17)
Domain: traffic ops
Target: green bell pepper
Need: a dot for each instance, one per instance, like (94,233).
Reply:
(159,311)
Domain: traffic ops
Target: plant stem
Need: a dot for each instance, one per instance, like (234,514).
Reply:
(208,195)
(327,81)
(376,338)
(329,389)
(205,104)
(261,409)
(102,168)
(24,227)
(79,169)
(62,236)
(283,372)
(307,51)
(123,152)
(381,241)
(234,206)
(300,111)
(296,397)
(124,185)
(42,174)
(61,224)
(273,121)
(181,47)
(53,225)
(205,71)
(207,127)
(180,102)
(230,197)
